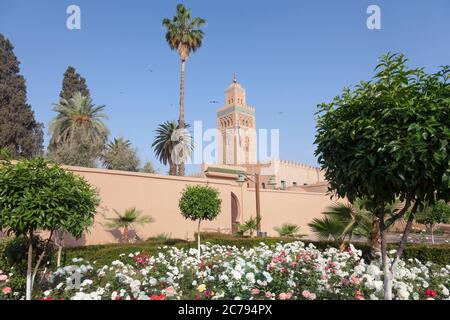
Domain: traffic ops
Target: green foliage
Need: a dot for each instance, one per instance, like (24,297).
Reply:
(78,132)
(35,195)
(104,254)
(72,83)
(119,155)
(287,230)
(20,133)
(78,117)
(437,213)
(159,237)
(200,203)
(250,226)
(342,221)
(13,253)
(388,138)
(183,32)
(5,154)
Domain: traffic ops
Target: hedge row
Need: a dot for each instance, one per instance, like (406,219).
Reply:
(104,254)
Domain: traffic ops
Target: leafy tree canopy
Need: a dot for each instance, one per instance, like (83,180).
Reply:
(389,137)
(200,203)
(72,83)
(20,133)
(35,195)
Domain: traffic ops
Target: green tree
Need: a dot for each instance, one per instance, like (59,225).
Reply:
(73,83)
(434,214)
(287,230)
(185,36)
(20,133)
(126,220)
(200,203)
(38,196)
(386,140)
(78,132)
(119,155)
(165,143)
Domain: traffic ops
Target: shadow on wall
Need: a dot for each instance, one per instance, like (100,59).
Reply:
(117,234)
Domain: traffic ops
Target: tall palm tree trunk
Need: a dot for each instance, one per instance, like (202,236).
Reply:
(181,167)
(172,168)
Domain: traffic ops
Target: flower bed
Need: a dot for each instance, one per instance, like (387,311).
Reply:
(281,271)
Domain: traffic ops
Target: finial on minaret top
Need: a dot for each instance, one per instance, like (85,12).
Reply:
(234,78)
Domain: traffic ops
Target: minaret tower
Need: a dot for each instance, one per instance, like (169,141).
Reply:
(237,128)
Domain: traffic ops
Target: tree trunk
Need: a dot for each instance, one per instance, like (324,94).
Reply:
(125,234)
(387,275)
(375,246)
(181,167)
(29,286)
(387,279)
(198,241)
(172,168)
(58,261)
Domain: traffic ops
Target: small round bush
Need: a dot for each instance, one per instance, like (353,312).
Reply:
(199,203)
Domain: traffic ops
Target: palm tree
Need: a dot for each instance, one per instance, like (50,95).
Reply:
(184,35)
(287,230)
(164,144)
(126,220)
(250,225)
(342,222)
(78,118)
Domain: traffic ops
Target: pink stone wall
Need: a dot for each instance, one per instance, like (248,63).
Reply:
(158,196)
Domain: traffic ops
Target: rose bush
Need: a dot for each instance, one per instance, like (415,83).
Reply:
(282,271)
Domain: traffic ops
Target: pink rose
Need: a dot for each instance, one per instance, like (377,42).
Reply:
(3,277)
(255,291)
(354,279)
(306,294)
(6,290)
(268,295)
(282,296)
(285,296)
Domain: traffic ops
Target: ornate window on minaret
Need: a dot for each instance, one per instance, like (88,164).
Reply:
(237,128)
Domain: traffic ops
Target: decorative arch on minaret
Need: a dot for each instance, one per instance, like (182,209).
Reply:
(236,124)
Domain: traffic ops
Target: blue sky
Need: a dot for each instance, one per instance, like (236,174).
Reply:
(289,55)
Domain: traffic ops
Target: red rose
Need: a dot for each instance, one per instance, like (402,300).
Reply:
(430,293)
